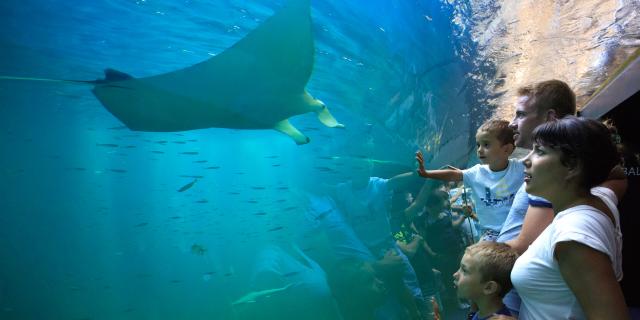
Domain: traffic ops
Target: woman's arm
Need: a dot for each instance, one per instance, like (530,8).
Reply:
(589,274)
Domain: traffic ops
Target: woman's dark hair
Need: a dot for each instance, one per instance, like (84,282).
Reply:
(581,141)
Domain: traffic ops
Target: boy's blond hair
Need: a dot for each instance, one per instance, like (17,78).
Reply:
(500,129)
(495,261)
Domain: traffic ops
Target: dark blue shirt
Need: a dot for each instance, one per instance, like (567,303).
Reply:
(504,311)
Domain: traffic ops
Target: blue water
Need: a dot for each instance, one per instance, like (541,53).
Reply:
(90,230)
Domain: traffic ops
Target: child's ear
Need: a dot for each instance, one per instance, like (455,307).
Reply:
(490,288)
(508,148)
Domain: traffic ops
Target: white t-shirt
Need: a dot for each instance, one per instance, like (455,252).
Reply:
(536,274)
(494,191)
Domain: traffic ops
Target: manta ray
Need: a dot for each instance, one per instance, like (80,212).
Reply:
(258,83)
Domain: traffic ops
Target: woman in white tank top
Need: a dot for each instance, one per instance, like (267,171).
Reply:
(571,271)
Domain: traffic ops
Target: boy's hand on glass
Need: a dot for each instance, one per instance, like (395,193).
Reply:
(421,170)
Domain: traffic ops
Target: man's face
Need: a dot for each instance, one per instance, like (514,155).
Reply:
(525,120)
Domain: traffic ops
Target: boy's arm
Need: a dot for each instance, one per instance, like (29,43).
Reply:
(409,249)
(456,222)
(446,175)
(402,181)
(455,197)
(418,203)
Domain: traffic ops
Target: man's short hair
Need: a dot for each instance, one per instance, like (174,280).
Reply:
(495,261)
(550,94)
(500,129)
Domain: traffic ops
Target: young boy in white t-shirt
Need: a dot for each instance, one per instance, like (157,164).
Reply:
(494,182)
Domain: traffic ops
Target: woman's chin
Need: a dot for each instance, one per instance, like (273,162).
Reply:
(529,188)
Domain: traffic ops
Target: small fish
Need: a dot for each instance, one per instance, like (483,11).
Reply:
(323,214)
(192,153)
(175,217)
(254,296)
(324,169)
(281,200)
(202,201)
(109,145)
(200,161)
(282,188)
(275,228)
(118,128)
(190,176)
(188,185)
(258,188)
(275,165)
(291,274)
(252,201)
(118,170)
(262,213)
(161,141)
(234,193)
(179,142)
(79,169)
(290,208)
(272,157)
(198,249)
(159,152)
(130,147)
(213,167)
(141,224)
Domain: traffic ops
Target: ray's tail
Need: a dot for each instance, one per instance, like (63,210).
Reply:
(110,75)
(87,82)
